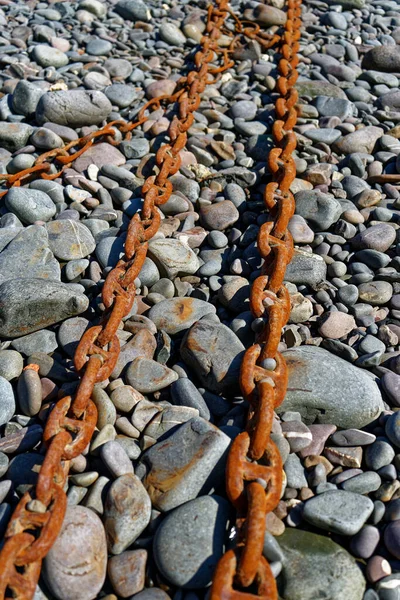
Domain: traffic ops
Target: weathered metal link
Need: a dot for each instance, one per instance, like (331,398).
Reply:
(255,488)
(37,520)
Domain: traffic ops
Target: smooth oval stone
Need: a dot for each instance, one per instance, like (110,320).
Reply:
(70,240)
(30,205)
(116,459)
(75,567)
(219,216)
(189,542)
(338,511)
(29,391)
(392,538)
(11,364)
(324,388)
(27,305)
(177,314)
(314,564)
(127,512)
(375,292)
(73,108)
(7,402)
(377,237)
(47,56)
(70,333)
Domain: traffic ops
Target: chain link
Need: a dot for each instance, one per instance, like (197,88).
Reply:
(254,488)
(38,517)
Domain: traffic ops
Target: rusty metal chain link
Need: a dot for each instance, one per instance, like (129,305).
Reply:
(38,517)
(254,466)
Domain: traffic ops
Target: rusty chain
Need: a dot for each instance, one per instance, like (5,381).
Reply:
(38,517)
(254,466)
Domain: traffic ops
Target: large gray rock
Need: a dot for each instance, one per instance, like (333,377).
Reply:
(30,250)
(383,58)
(134,10)
(25,98)
(30,205)
(306,268)
(214,353)
(74,108)
(75,567)
(190,541)
(176,314)
(321,210)
(185,465)
(14,136)
(327,389)
(27,305)
(338,511)
(314,564)
(362,140)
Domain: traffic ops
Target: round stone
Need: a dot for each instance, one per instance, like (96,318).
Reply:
(75,567)
(7,404)
(47,56)
(11,364)
(392,538)
(375,293)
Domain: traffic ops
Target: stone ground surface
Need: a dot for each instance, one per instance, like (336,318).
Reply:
(148,516)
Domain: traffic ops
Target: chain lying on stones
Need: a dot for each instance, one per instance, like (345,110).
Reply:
(254,466)
(38,517)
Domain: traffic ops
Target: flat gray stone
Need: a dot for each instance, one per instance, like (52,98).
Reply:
(314,564)
(69,239)
(74,108)
(185,465)
(47,56)
(190,541)
(319,209)
(134,10)
(147,375)
(214,353)
(11,364)
(14,136)
(7,401)
(306,268)
(327,389)
(338,511)
(27,305)
(25,98)
(39,341)
(30,205)
(177,314)
(30,248)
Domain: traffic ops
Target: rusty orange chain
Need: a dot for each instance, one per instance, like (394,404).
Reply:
(254,466)
(38,517)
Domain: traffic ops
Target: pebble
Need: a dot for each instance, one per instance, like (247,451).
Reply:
(338,511)
(75,567)
(190,541)
(30,205)
(127,512)
(326,389)
(314,563)
(27,305)
(214,353)
(185,460)
(70,240)
(127,572)
(177,314)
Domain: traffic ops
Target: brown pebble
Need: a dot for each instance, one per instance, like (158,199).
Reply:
(273,524)
(312,460)
(346,457)
(29,391)
(127,572)
(377,568)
